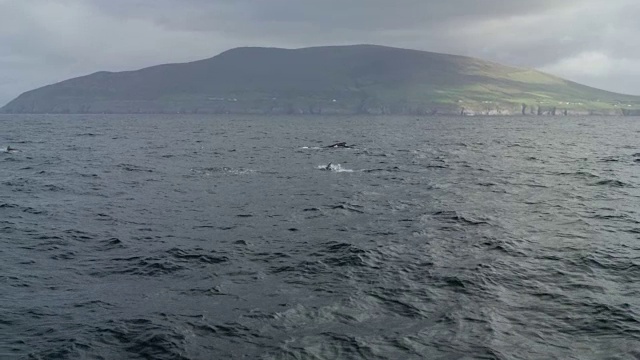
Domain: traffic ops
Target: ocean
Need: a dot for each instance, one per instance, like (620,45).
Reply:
(229,237)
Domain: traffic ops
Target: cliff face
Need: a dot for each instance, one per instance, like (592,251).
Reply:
(361,79)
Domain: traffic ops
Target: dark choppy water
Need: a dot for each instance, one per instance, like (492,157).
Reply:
(202,237)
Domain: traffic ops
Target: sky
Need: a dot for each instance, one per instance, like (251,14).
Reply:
(593,42)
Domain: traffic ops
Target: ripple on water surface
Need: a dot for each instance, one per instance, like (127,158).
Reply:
(161,237)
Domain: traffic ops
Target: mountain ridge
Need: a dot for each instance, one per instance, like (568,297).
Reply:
(349,79)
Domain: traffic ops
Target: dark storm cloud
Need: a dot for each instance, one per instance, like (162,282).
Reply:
(300,20)
(539,32)
(43,41)
(362,15)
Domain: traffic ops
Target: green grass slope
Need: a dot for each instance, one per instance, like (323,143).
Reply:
(334,79)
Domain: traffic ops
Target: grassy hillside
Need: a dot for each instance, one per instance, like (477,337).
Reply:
(335,79)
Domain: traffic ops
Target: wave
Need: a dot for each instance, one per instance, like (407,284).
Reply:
(456,217)
(134,168)
(612,183)
(208,171)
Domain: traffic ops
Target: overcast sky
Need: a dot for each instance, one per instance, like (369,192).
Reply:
(594,42)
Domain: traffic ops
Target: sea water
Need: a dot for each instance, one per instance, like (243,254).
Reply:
(201,237)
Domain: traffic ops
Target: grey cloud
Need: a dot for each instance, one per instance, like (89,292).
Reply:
(458,26)
(49,40)
(252,16)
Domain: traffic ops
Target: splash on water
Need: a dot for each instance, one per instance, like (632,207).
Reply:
(334,168)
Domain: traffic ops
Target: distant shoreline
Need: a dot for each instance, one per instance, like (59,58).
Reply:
(330,80)
(573,115)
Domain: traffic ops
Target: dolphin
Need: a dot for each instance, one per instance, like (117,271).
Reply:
(8,150)
(339,145)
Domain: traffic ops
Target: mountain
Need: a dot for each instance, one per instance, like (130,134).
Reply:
(325,80)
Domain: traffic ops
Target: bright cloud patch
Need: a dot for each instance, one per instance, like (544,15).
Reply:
(591,64)
(598,69)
